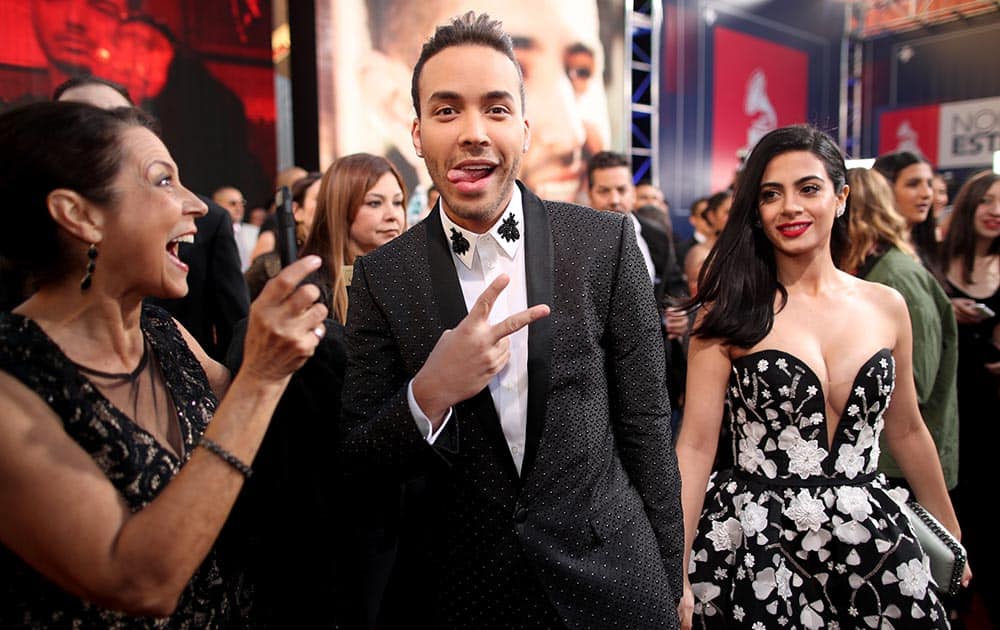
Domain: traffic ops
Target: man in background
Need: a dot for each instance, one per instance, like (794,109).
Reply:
(232,200)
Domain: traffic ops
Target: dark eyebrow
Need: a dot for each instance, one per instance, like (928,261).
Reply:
(445,95)
(579,47)
(797,182)
(521,42)
(499,95)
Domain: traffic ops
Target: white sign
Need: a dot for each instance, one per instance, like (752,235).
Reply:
(968,133)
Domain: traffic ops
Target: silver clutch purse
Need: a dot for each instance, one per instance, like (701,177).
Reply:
(946,554)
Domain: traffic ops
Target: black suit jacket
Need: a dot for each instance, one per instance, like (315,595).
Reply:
(591,530)
(669,277)
(217,293)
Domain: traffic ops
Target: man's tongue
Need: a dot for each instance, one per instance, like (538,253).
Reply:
(469,180)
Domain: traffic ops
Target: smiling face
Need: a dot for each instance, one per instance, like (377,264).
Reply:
(471,132)
(152,215)
(914,192)
(987,218)
(380,217)
(798,204)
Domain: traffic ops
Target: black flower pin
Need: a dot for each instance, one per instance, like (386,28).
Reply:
(508,229)
(459,244)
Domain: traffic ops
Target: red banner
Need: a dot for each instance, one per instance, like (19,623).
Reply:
(759,86)
(912,129)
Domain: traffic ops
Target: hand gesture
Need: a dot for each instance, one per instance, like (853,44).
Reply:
(285,324)
(966,312)
(465,359)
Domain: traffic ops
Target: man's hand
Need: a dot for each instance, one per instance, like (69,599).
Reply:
(465,359)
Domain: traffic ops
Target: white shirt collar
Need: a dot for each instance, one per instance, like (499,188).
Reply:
(514,209)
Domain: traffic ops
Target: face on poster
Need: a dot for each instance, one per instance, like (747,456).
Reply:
(572,94)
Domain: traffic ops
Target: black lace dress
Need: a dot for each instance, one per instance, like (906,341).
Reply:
(802,533)
(133,460)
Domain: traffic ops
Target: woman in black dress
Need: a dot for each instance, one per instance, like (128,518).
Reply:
(803,532)
(118,462)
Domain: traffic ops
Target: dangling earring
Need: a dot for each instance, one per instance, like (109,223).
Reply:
(91,257)
(841,209)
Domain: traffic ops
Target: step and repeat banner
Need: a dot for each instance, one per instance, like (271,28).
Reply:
(960,134)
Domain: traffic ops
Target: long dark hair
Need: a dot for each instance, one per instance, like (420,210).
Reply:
(739,279)
(961,239)
(923,234)
(45,146)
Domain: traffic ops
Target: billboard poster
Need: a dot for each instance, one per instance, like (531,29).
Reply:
(758,86)
(202,67)
(571,54)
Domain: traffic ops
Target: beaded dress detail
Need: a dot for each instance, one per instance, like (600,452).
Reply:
(133,460)
(804,533)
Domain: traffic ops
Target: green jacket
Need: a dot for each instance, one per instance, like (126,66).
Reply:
(935,356)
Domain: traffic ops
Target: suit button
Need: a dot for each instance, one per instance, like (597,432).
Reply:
(520,515)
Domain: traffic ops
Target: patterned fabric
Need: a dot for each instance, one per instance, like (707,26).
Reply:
(133,460)
(804,533)
(589,535)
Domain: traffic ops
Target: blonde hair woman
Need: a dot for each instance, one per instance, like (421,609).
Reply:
(878,252)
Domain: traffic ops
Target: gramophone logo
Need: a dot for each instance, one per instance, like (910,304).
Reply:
(758,106)
(907,138)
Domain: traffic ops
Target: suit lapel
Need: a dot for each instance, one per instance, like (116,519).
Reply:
(538,273)
(451,309)
(444,278)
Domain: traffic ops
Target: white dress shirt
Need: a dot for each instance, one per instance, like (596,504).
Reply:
(488,256)
(644,248)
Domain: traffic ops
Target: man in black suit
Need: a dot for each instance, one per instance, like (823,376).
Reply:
(542,433)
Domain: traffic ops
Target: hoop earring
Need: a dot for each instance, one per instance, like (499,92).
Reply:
(91,264)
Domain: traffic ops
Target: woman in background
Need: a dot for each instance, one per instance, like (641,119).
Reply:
(118,462)
(267,265)
(911,179)
(878,252)
(312,566)
(362,205)
(972,263)
(803,532)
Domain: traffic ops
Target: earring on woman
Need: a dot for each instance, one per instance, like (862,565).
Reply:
(841,209)
(91,258)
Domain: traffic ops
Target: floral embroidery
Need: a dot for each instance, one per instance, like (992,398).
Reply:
(766,551)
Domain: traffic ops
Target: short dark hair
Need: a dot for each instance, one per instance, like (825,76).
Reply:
(468,29)
(739,278)
(50,145)
(605,159)
(89,79)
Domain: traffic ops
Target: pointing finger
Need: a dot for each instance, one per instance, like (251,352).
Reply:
(484,303)
(517,321)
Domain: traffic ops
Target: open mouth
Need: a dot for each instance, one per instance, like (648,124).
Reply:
(471,177)
(174,246)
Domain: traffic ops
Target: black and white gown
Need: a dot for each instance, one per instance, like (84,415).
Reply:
(803,533)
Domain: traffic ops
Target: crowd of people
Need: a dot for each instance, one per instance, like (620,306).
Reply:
(514,413)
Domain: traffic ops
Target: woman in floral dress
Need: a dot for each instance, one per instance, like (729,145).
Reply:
(802,533)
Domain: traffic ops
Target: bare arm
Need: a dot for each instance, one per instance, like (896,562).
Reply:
(907,435)
(708,376)
(65,518)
